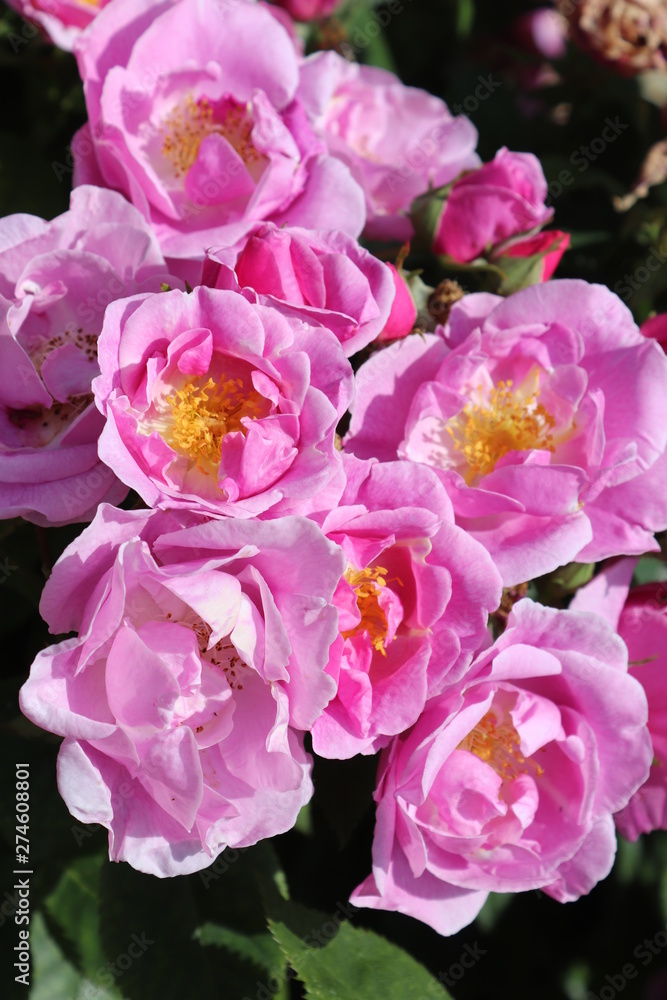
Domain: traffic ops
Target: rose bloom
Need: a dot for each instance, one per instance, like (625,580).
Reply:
(509,780)
(403,314)
(640,616)
(398,141)
(656,328)
(484,208)
(542,32)
(413,604)
(629,35)
(56,279)
(199,657)
(192,116)
(220,405)
(536,39)
(326,277)
(542,413)
(309,10)
(62,20)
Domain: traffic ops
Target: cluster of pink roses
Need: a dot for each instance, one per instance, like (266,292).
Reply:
(185,331)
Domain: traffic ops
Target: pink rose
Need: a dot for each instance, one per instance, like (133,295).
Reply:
(542,413)
(485,207)
(192,116)
(200,654)
(398,141)
(62,20)
(509,780)
(326,278)
(403,314)
(309,10)
(56,279)
(640,616)
(656,329)
(413,604)
(543,32)
(220,405)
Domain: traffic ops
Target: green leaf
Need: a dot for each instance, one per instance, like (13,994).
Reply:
(337,961)
(520,272)
(628,860)
(465,17)
(573,576)
(74,906)
(420,293)
(213,921)
(258,948)
(54,834)
(378,53)
(158,917)
(649,569)
(52,975)
(236,909)
(493,909)
(304,821)
(588,239)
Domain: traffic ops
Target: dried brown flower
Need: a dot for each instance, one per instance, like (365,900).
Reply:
(653,172)
(630,34)
(441,300)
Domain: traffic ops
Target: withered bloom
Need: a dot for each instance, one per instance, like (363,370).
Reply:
(629,34)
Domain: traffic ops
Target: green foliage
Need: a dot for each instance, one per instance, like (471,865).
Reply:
(337,961)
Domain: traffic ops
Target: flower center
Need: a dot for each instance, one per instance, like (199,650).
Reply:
(224,655)
(190,123)
(37,426)
(498,745)
(367,584)
(510,422)
(39,350)
(203,412)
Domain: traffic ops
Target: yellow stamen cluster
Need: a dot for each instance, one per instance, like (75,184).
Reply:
(498,745)
(510,422)
(190,123)
(367,584)
(204,412)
